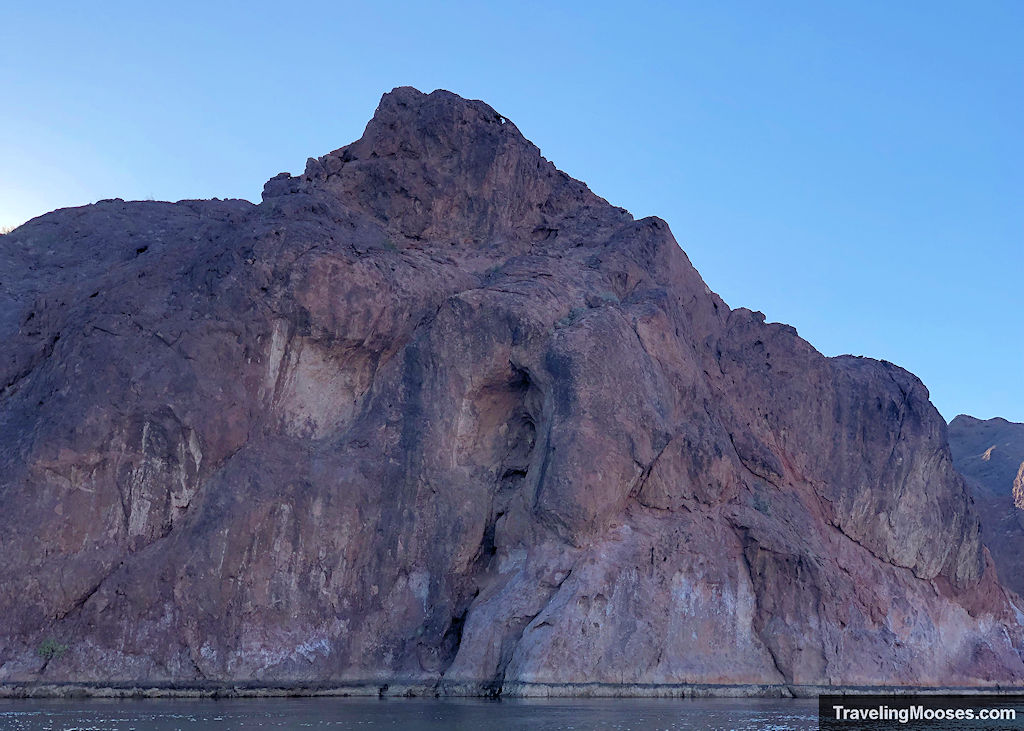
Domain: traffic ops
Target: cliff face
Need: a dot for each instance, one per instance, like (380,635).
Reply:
(434,411)
(990,453)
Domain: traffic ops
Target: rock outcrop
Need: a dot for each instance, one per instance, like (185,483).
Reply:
(434,412)
(990,453)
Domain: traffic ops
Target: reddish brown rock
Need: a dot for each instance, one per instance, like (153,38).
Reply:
(990,453)
(434,412)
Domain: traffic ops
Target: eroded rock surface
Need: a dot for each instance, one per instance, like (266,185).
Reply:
(433,411)
(990,454)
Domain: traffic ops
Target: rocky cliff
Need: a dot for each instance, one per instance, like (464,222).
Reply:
(990,453)
(433,412)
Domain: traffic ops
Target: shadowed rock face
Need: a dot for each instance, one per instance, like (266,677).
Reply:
(434,411)
(990,453)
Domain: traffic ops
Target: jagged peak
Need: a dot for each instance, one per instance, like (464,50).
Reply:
(438,166)
(407,108)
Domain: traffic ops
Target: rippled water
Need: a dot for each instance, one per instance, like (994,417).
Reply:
(400,713)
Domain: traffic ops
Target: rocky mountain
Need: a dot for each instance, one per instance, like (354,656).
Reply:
(435,416)
(990,453)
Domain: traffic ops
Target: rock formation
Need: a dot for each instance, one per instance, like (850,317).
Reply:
(990,453)
(435,413)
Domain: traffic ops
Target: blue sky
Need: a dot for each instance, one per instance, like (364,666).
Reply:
(855,169)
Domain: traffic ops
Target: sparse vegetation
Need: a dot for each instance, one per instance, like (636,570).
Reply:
(50,648)
(574,314)
(762,505)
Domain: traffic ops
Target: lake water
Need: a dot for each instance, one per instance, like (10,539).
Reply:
(645,714)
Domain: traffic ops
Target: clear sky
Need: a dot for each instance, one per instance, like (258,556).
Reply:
(855,169)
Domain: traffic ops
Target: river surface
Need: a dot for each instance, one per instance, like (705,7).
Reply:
(645,714)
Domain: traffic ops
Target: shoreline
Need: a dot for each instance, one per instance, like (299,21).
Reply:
(414,689)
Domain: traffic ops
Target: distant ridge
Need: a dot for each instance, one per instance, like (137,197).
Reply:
(990,453)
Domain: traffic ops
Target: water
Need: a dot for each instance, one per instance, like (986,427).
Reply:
(365,714)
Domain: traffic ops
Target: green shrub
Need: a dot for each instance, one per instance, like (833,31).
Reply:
(574,314)
(50,649)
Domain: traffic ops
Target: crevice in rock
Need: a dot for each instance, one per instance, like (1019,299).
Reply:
(517,456)
(645,473)
(510,643)
(487,548)
(759,631)
(495,686)
(451,641)
(195,665)
(80,601)
(756,464)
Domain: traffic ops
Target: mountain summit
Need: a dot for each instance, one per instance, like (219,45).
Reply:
(438,167)
(433,417)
